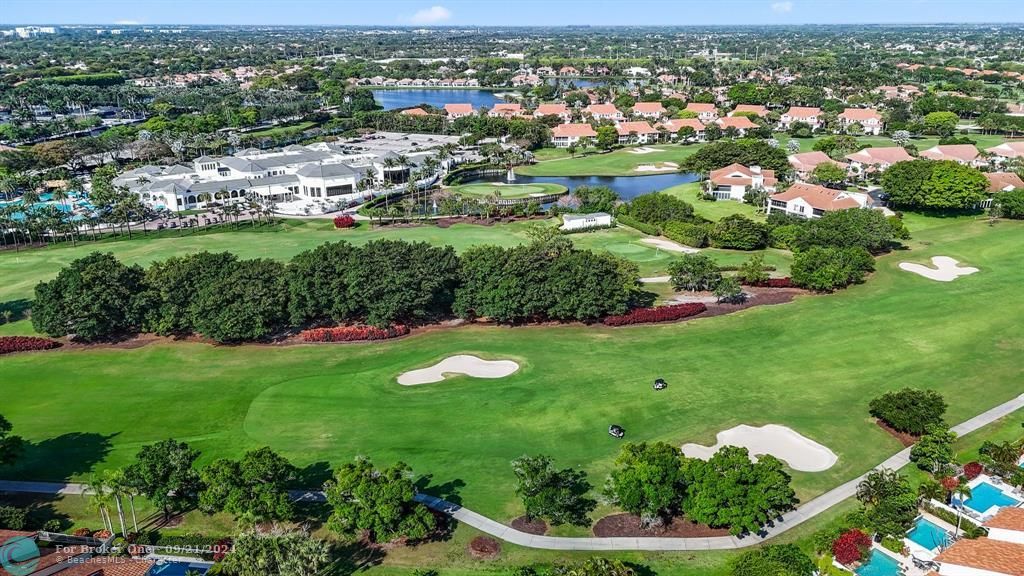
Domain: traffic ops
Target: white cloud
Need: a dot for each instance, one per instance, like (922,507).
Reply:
(782,7)
(432,15)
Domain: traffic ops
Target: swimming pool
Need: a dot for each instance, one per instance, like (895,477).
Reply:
(985,496)
(879,564)
(177,568)
(928,535)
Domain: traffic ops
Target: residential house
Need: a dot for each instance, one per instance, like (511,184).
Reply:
(636,132)
(876,159)
(1006,151)
(604,112)
(966,154)
(706,113)
(1001,553)
(672,127)
(585,221)
(805,162)
(1003,181)
(652,110)
(808,115)
(740,123)
(568,71)
(735,180)
(1015,109)
(811,201)
(756,109)
(414,112)
(560,110)
(454,111)
(565,135)
(506,110)
(868,118)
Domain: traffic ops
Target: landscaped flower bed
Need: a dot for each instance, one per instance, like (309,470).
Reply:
(972,470)
(344,221)
(775,283)
(10,344)
(353,333)
(657,314)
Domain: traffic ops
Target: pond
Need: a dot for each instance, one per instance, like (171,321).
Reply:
(628,187)
(405,98)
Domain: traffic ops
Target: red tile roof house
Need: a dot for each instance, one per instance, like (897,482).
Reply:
(560,110)
(458,110)
(604,112)
(653,110)
(414,112)
(869,119)
(966,154)
(805,162)
(735,180)
(740,123)
(1006,151)
(999,554)
(564,135)
(1003,181)
(505,110)
(637,132)
(812,201)
(707,113)
(801,114)
(672,128)
(876,159)
(760,111)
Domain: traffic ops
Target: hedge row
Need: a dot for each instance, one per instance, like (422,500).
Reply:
(656,314)
(353,333)
(627,220)
(11,344)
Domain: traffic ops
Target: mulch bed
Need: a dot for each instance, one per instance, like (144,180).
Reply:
(484,548)
(629,525)
(536,526)
(760,297)
(905,438)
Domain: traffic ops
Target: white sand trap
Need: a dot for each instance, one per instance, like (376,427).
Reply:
(946,269)
(656,280)
(798,451)
(660,167)
(669,245)
(460,364)
(645,150)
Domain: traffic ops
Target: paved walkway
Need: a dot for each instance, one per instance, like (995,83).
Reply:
(509,534)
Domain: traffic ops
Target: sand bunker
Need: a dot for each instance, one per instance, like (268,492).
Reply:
(460,364)
(659,167)
(645,150)
(656,280)
(798,451)
(946,269)
(669,245)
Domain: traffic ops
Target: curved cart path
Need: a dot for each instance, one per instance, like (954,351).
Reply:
(509,534)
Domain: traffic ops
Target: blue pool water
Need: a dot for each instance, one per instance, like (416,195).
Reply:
(928,535)
(879,564)
(985,496)
(437,97)
(178,569)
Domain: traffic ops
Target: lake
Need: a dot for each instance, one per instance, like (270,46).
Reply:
(406,98)
(627,187)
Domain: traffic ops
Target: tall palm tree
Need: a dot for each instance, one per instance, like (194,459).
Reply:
(98,496)
(963,491)
(115,483)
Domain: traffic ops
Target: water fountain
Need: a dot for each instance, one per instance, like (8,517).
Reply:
(511,177)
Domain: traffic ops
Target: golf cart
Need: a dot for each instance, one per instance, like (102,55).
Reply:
(660,384)
(616,431)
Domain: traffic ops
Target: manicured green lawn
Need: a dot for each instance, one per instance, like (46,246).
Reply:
(278,130)
(502,190)
(620,162)
(807,144)
(813,364)
(711,210)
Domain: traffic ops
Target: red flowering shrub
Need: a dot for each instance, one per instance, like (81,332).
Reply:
(102,535)
(972,470)
(9,344)
(344,221)
(949,483)
(221,549)
(82,532)
(852,546)
(656,314)
(353,333)
(775,283)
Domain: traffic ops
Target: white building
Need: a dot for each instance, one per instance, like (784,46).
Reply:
(585,221)
(810,201)
(735,180)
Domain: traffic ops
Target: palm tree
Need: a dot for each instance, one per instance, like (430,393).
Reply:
(99,500)
(115,482)
(8,185)
(963,490)
(877,485)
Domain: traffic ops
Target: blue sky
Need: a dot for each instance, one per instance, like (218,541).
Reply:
(508,12)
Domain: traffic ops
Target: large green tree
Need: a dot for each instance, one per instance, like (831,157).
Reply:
(378,502)
(647,481)
(248,301)
(933,185)
(164,473)
(282,553)
(737,232)
(558,496)
(934,451)
(909,410)
(730,490)
(694,272)
(175,284)
(827,268)
(773,560)
(254,488)
(851,228)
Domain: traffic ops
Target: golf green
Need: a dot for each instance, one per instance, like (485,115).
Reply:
(509,191)
(812,365)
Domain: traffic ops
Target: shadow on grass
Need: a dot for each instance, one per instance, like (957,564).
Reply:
(448,491)
(312,477)
(62,458)
(41,510)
